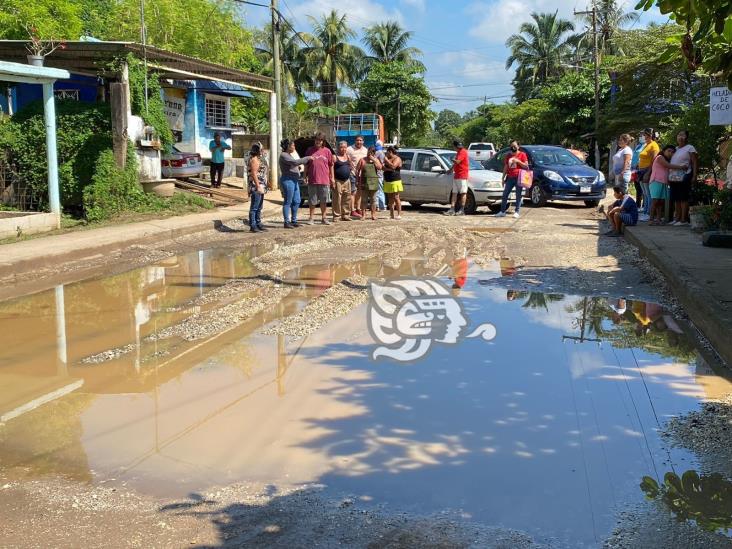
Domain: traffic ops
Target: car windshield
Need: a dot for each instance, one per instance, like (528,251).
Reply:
(554,157)
(448,157)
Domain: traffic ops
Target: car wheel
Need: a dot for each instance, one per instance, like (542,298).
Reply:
(495,207)
(592,203)
(470,205)
(538,196)
(416,205)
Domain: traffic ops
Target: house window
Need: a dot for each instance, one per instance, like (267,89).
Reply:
(217,111)
(66,94)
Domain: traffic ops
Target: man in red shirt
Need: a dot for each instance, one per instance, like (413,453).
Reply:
(514,162)
(460,168)
(321,175)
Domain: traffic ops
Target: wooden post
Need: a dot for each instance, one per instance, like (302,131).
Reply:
(118,101)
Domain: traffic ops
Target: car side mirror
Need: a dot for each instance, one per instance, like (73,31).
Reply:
(437,169)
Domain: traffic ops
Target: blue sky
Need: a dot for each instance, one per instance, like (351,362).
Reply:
(463,43)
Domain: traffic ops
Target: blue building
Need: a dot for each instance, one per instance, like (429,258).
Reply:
(197,94)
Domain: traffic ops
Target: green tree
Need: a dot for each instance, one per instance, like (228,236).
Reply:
(446,123)
(295,79)
(707,42)
(610,19)
(388,41)
(51,19)
(572,102)
(540,50)
(330,60)
(400,87)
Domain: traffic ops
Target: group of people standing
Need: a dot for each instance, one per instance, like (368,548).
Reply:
(359,178)
(659,175)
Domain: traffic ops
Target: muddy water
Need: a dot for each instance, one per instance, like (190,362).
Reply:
(548,428)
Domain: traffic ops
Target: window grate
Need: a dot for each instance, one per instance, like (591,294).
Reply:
(217,113)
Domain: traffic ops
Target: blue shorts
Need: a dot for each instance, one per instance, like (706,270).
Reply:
(627,219)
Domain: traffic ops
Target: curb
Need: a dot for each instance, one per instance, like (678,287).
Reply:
(696,300)
(146,236)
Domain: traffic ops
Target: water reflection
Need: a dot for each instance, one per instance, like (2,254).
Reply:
(704,499)
(527,431)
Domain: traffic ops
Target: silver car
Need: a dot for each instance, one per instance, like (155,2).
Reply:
(426,181)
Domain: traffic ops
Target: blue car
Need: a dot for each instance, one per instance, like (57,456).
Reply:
(558,175)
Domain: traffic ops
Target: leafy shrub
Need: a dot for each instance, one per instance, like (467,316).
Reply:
(113,190)
(83,132)
(154,115)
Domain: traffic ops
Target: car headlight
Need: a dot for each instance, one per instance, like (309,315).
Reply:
(488,185)
(601,178)
(554,176)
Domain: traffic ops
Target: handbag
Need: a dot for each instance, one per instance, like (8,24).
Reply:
(676,176)
(526,178)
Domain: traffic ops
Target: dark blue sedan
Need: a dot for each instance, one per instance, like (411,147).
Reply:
(558,175)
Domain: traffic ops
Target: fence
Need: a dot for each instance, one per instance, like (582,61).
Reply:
(14,190)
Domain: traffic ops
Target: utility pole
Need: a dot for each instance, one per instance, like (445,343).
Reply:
(277,72)
(399,118)
(596,63)
(143,37)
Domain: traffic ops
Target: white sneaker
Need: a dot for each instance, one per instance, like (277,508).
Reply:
(675,223)
(683,223)
(450,212)
(516,215)
(644,217)
(501,214)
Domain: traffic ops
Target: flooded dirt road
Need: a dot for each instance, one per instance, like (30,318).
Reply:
(232,395)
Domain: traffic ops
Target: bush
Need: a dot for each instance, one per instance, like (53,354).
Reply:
(83,132)
(113,190)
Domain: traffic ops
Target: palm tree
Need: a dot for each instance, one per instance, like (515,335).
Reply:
(330,60)
(292,63)
(610,19)
(541,49)
(388,42)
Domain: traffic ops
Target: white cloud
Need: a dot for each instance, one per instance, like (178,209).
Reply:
(418,5)
(498,20)
(359,14)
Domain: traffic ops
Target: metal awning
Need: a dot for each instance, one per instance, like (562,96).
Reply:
(94,58)
(221,88)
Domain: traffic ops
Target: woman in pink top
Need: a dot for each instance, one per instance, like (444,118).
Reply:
(659,183)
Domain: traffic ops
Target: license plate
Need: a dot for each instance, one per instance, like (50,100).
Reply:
(585,188)
(191,161)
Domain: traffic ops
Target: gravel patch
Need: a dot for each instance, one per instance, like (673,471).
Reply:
(335,302)
(110,354)
(651,526)
(208,323)
(707,432)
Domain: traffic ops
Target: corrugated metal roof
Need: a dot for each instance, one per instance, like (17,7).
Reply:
(94,58)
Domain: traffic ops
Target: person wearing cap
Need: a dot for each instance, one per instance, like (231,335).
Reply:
(461,171)
(289,182)
(217,147)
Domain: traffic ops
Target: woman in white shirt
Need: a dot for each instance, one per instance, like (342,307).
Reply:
(622,160)
(680,180)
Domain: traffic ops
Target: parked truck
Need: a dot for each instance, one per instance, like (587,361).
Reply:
(369,125)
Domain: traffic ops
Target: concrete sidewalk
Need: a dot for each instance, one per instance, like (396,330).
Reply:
(700,277)
(46,251)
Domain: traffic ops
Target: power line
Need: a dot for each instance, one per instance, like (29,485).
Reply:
(470,85)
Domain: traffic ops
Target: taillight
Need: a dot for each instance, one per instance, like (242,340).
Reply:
(165,163)
(177,163)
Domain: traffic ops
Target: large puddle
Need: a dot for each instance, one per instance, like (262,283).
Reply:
(547,428)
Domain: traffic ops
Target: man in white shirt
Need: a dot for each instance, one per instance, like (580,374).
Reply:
(356,153)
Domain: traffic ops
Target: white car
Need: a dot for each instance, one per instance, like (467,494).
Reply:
(426,181)
(181,164)
(481,151)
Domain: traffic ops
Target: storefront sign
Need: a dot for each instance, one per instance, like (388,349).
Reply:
(175,108)
(720,107)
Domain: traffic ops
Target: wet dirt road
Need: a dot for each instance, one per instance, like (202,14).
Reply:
(226,394)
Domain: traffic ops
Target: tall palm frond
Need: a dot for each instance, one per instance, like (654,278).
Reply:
(541,49)
(611,18)
(388,42)
(330,60)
